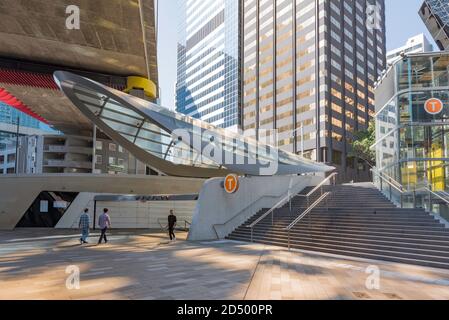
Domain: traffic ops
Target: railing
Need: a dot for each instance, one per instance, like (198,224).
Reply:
(289,196)
(305,213)
(320,187)
(266,214)
(166,226)
(288,199)
(435,202)
(238,214)
(392,185)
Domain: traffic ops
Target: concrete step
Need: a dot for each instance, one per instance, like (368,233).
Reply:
(423,260)
(411,244)
(406,238)
(360,225)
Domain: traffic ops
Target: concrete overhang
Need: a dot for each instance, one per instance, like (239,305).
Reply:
(115,37)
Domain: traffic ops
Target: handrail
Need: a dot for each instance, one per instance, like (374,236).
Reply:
(319,185)
(238,214)
(435,194)
(164,228)
(289,195)
(317,202)
(277,205)
(306,212)
(397,187)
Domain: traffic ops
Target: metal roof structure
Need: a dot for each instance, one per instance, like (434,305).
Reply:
(173,143)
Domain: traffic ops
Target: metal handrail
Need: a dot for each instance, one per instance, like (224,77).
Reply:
(277,205)
(396,185)
(435,194)
(390,179)
(305,213)
(238,214)
(289,195)
(164,228)
(318,187)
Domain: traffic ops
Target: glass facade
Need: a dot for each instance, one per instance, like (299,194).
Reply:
(208,61)
(9,116)
(411,142)
(435,14)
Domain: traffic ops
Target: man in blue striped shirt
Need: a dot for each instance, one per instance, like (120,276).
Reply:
(84,226)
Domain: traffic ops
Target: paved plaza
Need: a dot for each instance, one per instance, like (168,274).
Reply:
(36,263)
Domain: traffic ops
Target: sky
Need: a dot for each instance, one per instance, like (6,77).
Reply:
(402,22)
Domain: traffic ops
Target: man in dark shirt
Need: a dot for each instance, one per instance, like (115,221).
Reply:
(171,225)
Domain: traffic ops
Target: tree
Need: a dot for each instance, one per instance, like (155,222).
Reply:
(363,140)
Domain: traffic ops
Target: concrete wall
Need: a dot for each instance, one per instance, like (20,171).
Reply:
(17,192)
(129,214)
(228,211)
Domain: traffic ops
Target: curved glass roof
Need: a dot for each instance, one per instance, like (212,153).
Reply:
(173,143)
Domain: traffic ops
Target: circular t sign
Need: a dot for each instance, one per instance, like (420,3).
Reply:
(433,106)
(231,183)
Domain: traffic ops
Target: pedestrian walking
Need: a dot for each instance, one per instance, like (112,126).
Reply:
(84,224)
(104,221)
(171,225)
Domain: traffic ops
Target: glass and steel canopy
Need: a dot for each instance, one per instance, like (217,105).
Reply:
(175,144)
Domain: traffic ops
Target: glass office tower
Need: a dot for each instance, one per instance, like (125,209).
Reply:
(8,125)
(435,14)
(309,68)
(412,122)
(208,61)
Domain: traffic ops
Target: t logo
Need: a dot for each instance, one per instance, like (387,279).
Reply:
(73,20)
(231,183)
(433,106)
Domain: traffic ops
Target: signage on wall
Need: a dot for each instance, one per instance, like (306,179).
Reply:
(231,183)
(433,106)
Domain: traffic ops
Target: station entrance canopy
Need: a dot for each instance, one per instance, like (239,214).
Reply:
(175,144)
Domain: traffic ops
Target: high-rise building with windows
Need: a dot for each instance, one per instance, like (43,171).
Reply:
(308,71)
(416,44)
(208,61)
(28,125)
(435,14)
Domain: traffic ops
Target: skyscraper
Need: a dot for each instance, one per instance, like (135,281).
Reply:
(435,14)
(208,61)
(309,68)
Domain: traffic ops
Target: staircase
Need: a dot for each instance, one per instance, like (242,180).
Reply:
(356,221)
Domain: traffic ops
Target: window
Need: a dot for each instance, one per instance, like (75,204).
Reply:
(99,159)
(112,147)
(99,145)
(111,160)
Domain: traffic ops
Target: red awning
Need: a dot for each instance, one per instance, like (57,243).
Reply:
(12,101)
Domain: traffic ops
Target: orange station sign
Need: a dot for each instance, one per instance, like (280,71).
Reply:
(231,183)
(433,106)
